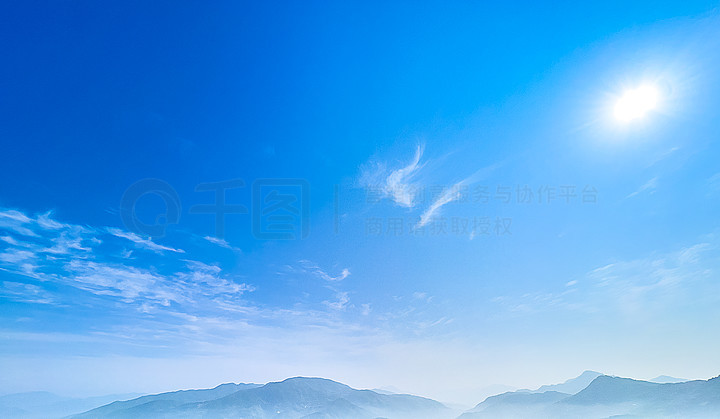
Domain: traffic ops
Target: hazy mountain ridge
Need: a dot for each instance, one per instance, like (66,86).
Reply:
(514,404)
(573,385)
(292,398)
(170,399)
(699,398)
(524,402)
(608,396)
(318,398)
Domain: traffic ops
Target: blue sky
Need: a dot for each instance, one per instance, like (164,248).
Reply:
(474,213)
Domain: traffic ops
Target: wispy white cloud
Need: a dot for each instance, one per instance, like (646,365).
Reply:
(15,215)
(16,221)
(142,242)
(449,195)
(313,268)
(128,283)
(403,187)
(35,226)
(423,296)
(222,243)
(453,193)
(433,323)
(66,244)
(209,280)
(26,293)
(662,155)
(648,186)
(340,303)
(16,255)
(713,184)
(9,240)
(199,283)
(634,287)
(399,185)
(67,254)
(46,222)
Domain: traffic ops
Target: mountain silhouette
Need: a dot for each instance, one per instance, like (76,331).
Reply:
(319,398)
(607,397)
(625,396)
(175,398)
(514,405)
(573,385)
(298,397)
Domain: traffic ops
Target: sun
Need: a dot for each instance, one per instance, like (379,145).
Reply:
(637,103)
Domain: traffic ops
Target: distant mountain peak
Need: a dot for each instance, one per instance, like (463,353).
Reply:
(301,378)
(573,385)
(309,380)
(590,372)
(314,383)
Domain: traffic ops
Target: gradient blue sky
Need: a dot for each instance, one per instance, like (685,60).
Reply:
(419,114)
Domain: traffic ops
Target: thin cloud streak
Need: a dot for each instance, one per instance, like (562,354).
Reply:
(222,243)
(453,193)
(313,268)
(650,186)
(147,243)
(638,287)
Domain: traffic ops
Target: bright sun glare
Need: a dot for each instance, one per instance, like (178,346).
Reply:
(636,103)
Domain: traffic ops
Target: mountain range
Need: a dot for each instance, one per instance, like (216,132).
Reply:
(299,397)
(609,397)
(590,395)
